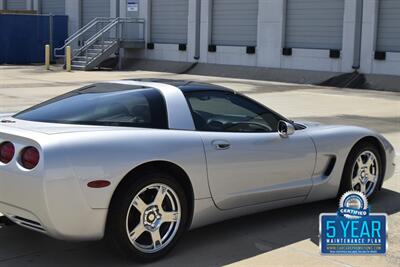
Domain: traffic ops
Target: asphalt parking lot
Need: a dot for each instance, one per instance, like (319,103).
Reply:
(287,236)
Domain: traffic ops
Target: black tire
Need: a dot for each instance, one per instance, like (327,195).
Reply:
(357,150)
(116,233)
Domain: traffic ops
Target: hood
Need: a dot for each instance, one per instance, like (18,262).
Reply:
(320,126)
(309,123)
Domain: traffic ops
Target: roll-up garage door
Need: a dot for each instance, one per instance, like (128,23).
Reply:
(92,9)
(169,21)
(16,4)
(55,7)
(234,22)
(388,37)
(315,24)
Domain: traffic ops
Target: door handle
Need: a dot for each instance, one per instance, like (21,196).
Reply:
(221,145)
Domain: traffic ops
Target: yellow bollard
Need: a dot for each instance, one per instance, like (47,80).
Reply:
(68,58)
(47,56)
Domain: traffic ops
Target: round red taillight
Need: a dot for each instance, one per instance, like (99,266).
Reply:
(7,151)
(30,157)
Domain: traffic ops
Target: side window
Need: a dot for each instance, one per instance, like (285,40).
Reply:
(228,112)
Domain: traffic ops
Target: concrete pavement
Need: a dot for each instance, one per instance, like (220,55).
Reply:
(287,236)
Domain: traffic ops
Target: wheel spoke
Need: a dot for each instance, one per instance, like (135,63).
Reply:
(370,160)
(139,204)
(372,178)
(156,237)
(158,200)
(137,232)
(362,188)
(170,216)
(373,172)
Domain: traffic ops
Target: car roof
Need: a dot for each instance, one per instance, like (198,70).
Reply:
(186,86)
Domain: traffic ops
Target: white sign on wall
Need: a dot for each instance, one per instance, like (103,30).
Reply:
(132,5)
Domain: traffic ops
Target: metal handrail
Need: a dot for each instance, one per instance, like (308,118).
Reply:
(107,28)
(81,29)
(79,33)
(94,38)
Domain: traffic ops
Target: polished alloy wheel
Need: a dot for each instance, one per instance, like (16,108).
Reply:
(153,218)
(365,173)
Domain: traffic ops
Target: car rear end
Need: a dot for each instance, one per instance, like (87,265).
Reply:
(53,197)
(38,189)
(21,189)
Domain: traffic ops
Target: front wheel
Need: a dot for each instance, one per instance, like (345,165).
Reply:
(363,170)
(147,217)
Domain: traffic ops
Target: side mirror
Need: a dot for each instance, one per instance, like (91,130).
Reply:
(285,128)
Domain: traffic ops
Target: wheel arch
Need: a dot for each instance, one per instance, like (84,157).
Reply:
(374,141)
(163,166)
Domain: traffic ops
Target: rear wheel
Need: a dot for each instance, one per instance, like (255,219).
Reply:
(363,170)
(148,216)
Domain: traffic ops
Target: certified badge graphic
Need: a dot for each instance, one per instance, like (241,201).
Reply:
(353,205)
(353,229)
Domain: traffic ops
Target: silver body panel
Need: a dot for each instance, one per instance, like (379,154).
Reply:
(258,167)
(259,171)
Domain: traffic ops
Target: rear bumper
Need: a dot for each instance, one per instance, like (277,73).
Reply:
(54,207)
(48,198)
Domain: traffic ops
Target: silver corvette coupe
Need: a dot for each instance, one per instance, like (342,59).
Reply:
(141,162)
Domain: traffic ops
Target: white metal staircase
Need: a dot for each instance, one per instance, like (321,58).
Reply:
(100,39)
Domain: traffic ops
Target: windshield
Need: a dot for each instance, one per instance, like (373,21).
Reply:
(103,104)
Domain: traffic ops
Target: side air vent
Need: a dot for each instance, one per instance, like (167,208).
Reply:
(329,167)
(28,223)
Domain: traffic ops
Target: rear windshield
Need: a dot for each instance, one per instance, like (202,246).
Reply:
(105,104)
